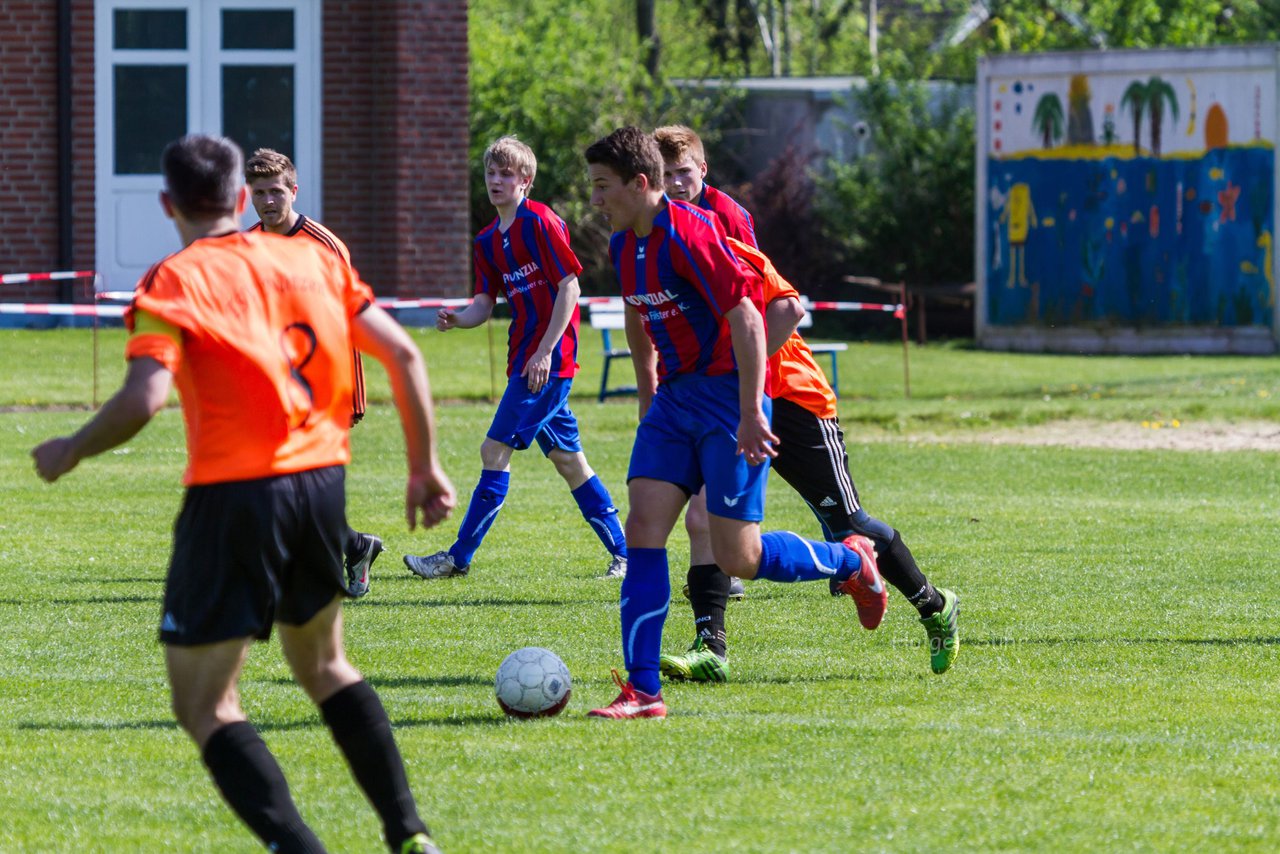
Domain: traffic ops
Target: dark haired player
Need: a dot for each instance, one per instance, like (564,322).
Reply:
(811,455)
(698,343)
(257,330)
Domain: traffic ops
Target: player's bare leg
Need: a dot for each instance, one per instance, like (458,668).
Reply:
(595,504)
(355,717)
(206,703)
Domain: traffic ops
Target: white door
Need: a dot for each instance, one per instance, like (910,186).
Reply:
(246,69)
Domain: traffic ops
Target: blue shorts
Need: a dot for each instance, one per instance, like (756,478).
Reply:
(689,437)
(523,416)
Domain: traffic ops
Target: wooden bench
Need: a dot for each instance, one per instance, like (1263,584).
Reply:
(608,317)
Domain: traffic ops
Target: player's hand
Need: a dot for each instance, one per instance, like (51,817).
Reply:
(55,458)
(537,371)
(755,439)
(430,494)
(446,319)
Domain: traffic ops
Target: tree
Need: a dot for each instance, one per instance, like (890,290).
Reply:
(1048,119)
(1135,100)
(904,211)
(1159,91)
(647,30)
(559,81)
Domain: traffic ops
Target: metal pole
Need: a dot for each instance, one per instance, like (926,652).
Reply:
(906,366)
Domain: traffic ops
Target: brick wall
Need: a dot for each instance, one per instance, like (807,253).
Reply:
(395,142)
(29,143)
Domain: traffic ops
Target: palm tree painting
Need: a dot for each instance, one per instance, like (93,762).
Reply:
(1159,91)
(1048,119)
(1135,99)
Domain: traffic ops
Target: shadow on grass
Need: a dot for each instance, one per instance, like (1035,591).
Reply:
(379,682)
(96,726)
(260,725)
(84,600)
(489,602)
(998,642)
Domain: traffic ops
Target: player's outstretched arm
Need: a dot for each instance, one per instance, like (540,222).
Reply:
(145,390)
(746,328)
(538,368)
(480,310)
(428,494)
(643,358)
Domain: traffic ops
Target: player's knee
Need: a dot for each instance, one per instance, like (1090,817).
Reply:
(494,455)
(572,466)
(696,522)
(881,533)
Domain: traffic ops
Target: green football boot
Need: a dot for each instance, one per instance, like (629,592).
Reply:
(699,664)
(419,843)
(944,632)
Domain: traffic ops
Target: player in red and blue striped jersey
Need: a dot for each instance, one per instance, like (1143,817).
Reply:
(524,256)
(685,173)
(697,340)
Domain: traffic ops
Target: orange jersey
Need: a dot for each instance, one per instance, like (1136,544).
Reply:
(793,373)
(305,227)
(256,329)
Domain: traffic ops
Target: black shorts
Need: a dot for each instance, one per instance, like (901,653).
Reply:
(250,552)
(812,458)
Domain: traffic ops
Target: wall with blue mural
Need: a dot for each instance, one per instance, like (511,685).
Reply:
(1122,199)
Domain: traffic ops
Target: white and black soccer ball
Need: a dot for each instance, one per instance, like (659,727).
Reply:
(532,683)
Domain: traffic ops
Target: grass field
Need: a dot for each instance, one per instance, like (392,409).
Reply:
(1116,687)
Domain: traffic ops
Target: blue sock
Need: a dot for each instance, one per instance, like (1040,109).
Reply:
(646,592)
(486,501)
(597,508)
(788,557)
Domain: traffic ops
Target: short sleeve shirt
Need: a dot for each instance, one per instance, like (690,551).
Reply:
(262,360)
(682,278)
(526,264)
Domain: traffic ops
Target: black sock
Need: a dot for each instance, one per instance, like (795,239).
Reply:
(353,542)
(253,785)
(709,594)
(362,730)
(898,567)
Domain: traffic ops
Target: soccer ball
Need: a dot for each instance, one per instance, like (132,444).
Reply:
(532,683)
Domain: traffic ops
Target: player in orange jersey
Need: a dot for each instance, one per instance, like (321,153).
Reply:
(812,458)
(256,330)
(273,188)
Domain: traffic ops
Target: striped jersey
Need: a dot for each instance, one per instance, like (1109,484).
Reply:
(526,264)
(317,232)
(734,218)
(682,277)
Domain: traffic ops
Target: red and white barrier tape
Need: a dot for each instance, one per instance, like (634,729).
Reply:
(124,296)
(24,278)
(61,309)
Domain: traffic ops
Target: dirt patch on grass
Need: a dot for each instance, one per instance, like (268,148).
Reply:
(1124,435)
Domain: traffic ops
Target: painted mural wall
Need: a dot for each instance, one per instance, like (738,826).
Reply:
(1130,198)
